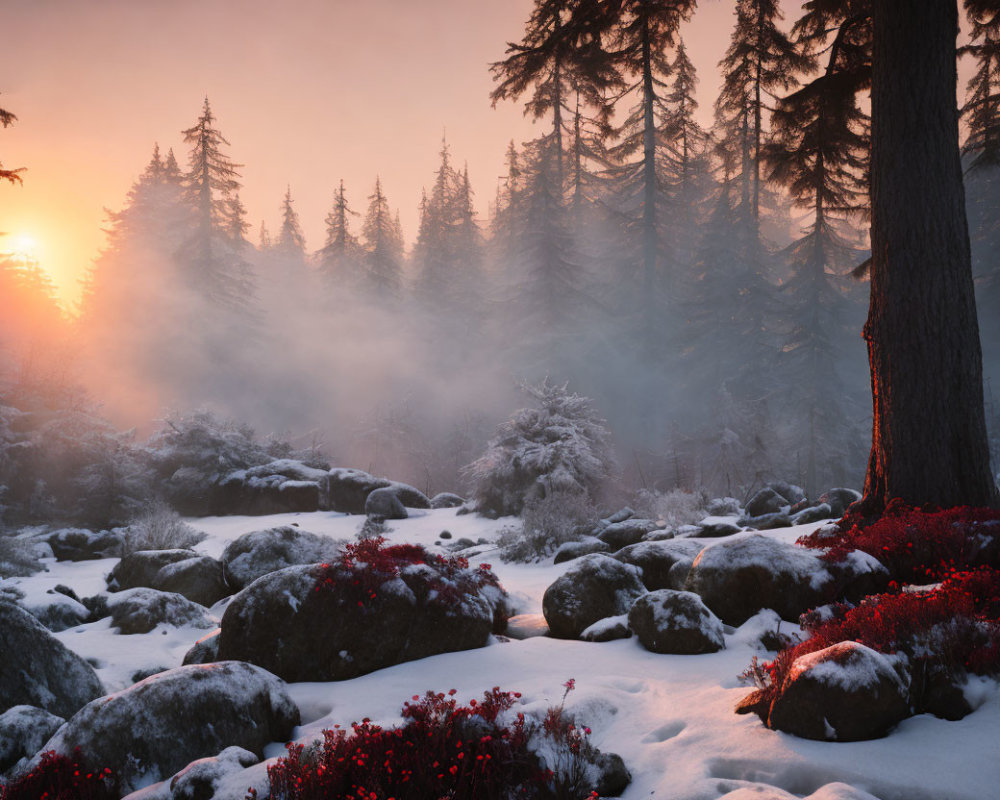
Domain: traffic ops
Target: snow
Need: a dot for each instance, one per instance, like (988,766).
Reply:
(848,665)
(670,717)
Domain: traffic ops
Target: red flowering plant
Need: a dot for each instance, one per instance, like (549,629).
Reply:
(59,777)
(479,751)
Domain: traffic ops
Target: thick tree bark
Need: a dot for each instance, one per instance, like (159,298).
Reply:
(929,438)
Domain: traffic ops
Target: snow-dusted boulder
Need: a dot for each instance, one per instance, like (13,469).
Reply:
(739,577)
(141,610)
(260,552)
(57,611)
(724,507)
(675,622)
(149,731)
(446,500)
(846,693)
(630,531)
(812,514)
(277,487)
(327,622)
(384,503)
(595,587)
(567,551)
(201,778)
(608,629)
(36,669)
(656,561)
(78,544)
(789,491)
(717,530)
(840,500)
(140,569)
(347,489)
(198,579)
(767,522)
(204,651)
(23,731)
(766,501)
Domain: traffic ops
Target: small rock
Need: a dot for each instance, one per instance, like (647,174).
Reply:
(141,610)
(588,544)
(446,500)
(608,629)
(385,504)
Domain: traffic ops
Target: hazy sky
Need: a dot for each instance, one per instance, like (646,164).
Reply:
(307,92)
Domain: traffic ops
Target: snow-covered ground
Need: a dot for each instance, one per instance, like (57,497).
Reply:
(669,716)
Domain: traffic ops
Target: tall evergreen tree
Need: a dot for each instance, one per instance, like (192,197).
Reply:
(929,441)
(212,179)
(340,260)
(383,242)
(290,236)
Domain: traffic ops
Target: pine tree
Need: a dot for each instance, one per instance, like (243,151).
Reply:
(929,442)
(290,236)
(383,242)
(212,179)
(340,260)
(236,225)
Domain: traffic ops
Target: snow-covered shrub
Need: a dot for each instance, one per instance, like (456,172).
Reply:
(17,557)
(159,527)
(482,751)
(675,507)
(200,448)
(546,523)
(559,446)
(62,778)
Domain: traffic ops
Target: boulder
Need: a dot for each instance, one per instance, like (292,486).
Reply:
(767,522)
(204,651)
(656,560)
(717,530)
(140,568)
(58,612)
(816,513)
(260,552)
(567,551)
(793,494)
(594,587)
(198,579)
(409,496)
(23,731)
(724,507)
(277,487)
(845,693)
(77,544)
(630,531)
(153,729)
(840,500)
(330,622)
(347,489)
(201,778)
(668,621)
(446,500)
(141,610)
(36,669)
(738,577)
(384,504)
(766,501)
(619,516)
(608,629)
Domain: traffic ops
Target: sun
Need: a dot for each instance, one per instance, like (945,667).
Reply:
(24,244)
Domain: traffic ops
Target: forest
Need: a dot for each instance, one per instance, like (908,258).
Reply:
(704,287)
(667,466)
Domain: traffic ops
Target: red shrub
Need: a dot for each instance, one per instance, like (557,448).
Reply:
(59,777)
(367,564)
(950,630)
(443,750)
(916,546)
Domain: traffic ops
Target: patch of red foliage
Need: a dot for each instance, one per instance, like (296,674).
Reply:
(367,564)
(917,545)
(59,777)
(949,630)
(443,750)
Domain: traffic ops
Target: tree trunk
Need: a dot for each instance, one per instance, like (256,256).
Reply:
(929,438)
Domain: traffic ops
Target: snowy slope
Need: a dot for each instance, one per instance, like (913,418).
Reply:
(670,717)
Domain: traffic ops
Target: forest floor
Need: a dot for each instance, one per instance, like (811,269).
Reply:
(669,716)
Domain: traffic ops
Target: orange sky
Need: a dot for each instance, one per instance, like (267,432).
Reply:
(307,91)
